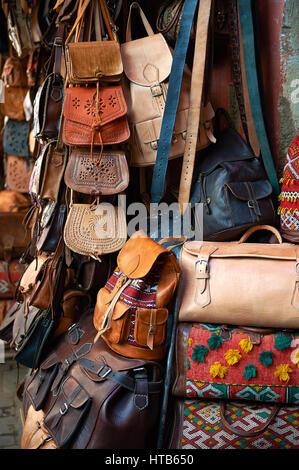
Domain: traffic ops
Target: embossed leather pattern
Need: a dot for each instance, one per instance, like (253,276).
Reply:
(15,138)
(86,121)
(18,174)
(95,231)
(111,176)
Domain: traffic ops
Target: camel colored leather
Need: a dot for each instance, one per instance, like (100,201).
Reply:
(13,103)
(29,278)
(13,236)
(14,73)
(35,435)
(147,64)
(17,174)
(83,175)
(113,318)
(84,123)
(246,284)
(54,162)
(93,61)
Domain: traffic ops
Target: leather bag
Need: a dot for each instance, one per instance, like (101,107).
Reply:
(13,73)
(95,230)
(94,61)
(84,175)
(34,435)
(169,18)
(13,103)
(232,185)
(15,138)
(236,363)
(10,275)
(95,116)
(147,65)
(95,399)
(17,174)
(131,310)
(13,236)
(19,31)
(232,282)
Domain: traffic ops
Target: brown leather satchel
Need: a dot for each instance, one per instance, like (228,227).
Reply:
(91,397)
(94,61)
(95,116)
(13,103)
(13,73)
(54,161)
(131,310)
(83,175)
(246,284)
(17,173)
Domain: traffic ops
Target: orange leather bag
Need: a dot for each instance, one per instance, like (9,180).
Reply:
(95,116)
(238,283)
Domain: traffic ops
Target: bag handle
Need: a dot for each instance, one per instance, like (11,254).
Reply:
(251,230)
(240,433)
(145,22)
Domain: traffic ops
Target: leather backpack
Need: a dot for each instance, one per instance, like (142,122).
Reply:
(232,185)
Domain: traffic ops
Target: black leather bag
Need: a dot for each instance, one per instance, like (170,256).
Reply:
(232,184)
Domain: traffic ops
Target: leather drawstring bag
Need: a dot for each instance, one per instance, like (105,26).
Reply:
(147,65)
(94,61)
(131,310)
(233,282)
(83,175)
(95,229)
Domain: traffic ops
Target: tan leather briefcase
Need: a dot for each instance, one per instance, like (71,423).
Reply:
(246,284)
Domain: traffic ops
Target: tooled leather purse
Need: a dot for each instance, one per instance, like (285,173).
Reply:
(94,61)
(131,310)
(95,229)
(17,174)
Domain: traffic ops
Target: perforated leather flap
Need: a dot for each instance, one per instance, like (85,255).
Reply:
(138,255)
(247,191)
(147,60)
(97,59)
(72,389)
(80,105)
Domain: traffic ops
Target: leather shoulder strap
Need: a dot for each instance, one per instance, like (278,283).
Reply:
(196,97)
(246,21)
(172,99)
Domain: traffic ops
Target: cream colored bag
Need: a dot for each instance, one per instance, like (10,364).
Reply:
(147,64)
(238,283)
(95,229)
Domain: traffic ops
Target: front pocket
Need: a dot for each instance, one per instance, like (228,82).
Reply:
(67,412)
(41,382)
(150,326)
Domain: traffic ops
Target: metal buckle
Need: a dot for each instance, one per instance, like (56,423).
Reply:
(62,411)
(202,261)
(158,93)
(105,373)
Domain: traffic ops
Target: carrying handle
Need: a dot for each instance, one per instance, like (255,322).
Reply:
(145,22)
(251,230)
(240,433)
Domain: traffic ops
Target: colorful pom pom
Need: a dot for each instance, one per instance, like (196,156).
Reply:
(233,356)
(218,370)
(199,353)
(282,372)
(214,342)
(266,358)
(250,371)
(246,345)
(282,342)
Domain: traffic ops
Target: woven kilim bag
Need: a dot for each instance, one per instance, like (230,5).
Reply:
(219,362)
(206,425)
(289,195)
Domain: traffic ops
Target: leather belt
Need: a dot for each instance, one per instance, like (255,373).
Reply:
(246,21)
(196,97)
(172,99)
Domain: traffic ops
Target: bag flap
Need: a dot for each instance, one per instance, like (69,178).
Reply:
(103,301)
(50,361)
(152,316)
(139,254)
(30,275)
(149,131)
(74,391)
(246,190)
(229,147)
(82,174)
(94,59)
(147,61)
(284,251)
(80,105)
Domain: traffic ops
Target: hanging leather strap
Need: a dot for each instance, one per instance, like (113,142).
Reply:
(196,98)
(246,21)
(172,99)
